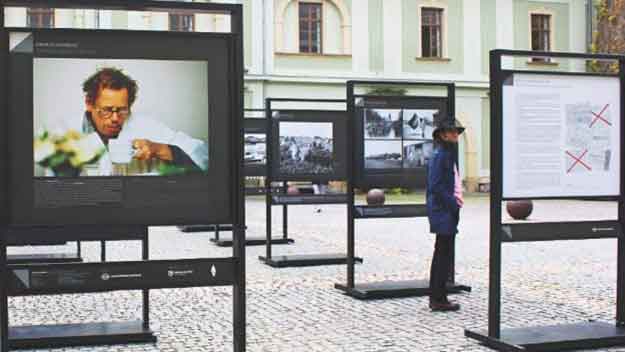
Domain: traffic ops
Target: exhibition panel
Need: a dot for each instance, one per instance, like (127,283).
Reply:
(307,143)
(106,132)
(555,135)
(391,142)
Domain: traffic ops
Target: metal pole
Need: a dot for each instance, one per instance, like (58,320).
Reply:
(102,251)
(238,226)
(620,276)
(4,300)
(285,217)
(350,189)
(79,249)
(216,233)
(4,303)
(269,157)
(494,289)
(145,255)
(451,105)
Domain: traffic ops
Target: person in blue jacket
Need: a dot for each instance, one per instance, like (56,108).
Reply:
(444,200)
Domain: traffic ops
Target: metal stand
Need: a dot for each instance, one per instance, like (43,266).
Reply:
(67,335)
(76,278)
(585,335)
(219,241)
(47,257)
(284,199)
(385,289)
(257,241)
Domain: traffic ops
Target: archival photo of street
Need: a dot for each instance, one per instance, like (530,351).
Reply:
(383,124)
(306,148)
(418,153)
(255,149)
(418,124)
(383,154)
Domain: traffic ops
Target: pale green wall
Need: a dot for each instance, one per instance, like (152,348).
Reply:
(119,19)
(485,134)
(488,27)
(247,31)
(376,36)
(410,41)
(522,8)
(313,63)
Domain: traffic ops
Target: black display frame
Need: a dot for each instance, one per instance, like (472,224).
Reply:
(385,289)
(280,198)
(250,125)
(256,125)
(51,336)
(26,214)
(406,177)
(584,335)
(339,126)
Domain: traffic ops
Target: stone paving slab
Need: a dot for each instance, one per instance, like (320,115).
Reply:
(297,309)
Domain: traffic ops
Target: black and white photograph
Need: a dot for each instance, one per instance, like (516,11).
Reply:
(419,123)
(306,148)
(417,154)
(383,154)
(255,149)
(383,124)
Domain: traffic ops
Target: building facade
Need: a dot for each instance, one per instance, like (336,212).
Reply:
(310,48)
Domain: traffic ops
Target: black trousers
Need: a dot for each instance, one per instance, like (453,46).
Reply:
(441,266)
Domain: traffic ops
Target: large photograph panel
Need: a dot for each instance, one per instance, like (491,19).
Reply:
(308,145)
(393,143)
(159,150)
(306,148)
(120,117)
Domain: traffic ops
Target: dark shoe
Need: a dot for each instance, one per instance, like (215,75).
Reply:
(444,306)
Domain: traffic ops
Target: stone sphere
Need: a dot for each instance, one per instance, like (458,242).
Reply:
(376,197)
(292,190)
(519,209)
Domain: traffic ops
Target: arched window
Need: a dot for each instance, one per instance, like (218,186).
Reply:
(312,27)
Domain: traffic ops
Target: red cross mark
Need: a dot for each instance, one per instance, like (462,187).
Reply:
(578,160)
(600,117)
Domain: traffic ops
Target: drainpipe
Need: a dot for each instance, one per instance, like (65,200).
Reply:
(590,20)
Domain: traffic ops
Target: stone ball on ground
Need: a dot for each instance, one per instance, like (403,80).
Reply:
(519,209)
(376,197)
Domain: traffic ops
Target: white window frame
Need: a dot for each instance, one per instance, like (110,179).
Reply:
(552,32)
(444,28)
(322,24)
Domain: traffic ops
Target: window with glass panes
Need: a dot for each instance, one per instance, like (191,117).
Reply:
(541,34)
(40,17)
(181,22)
(310,27)
(431,32)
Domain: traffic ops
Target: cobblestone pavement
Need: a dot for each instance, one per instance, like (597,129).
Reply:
(297,309)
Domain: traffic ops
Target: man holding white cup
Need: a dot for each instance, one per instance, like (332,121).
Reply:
(109,96)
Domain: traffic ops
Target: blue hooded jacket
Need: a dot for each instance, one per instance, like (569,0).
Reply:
(443,210)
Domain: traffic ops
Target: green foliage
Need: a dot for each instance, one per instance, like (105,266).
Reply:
(66,154)
(397,191)
(387,91)
(173,170)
